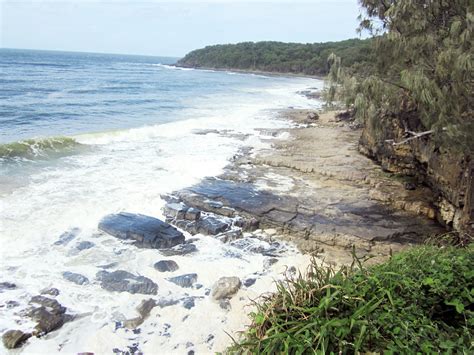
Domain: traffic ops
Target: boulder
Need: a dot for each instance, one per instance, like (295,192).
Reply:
(50,315)
(78,279)
(181,249)
(225,287)
(186,280)
(144,231)
(14,338)
(166,266)
(123,281)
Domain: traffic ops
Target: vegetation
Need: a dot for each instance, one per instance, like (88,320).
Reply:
(309,59)
(419,301)
(421,71)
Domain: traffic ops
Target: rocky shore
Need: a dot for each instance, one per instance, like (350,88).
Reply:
(223,242)
(312,187)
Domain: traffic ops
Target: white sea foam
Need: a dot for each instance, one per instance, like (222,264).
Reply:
(127,171)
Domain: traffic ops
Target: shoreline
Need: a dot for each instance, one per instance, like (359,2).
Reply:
(316,190)
(249,71)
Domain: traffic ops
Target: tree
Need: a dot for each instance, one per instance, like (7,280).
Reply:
(422,68)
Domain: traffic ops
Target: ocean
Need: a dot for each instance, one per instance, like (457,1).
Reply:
(84,135)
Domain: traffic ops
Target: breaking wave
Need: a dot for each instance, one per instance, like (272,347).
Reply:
(39,148)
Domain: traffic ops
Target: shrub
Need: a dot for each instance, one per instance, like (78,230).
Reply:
(419,301)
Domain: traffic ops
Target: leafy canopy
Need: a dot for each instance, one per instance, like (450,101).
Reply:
(422,65)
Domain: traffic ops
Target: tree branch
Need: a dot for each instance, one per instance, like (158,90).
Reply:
(414,135)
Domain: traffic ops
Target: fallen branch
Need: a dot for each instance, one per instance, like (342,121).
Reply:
(414,135)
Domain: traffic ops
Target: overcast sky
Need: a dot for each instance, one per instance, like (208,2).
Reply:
(167,28)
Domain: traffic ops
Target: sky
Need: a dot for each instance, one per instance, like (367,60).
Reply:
(157,27)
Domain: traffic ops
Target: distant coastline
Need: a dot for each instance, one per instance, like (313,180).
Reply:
(250,71)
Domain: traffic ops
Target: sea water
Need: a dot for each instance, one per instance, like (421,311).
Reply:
(84,135)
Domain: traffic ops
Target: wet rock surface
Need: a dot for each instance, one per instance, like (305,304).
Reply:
(48,314)
(166,266)
(123,281)
(186,280)
(144,231)
(317,190)
(182,249)
(76,278)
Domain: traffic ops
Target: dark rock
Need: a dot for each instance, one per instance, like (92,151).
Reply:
(66,237)
(14,338)
(50,291)
(50,304)
(175,210)
(410,186)
(192,214)
(186,280)
(225,304)
(269,262)
(143,309)
(189,302)
(145,231)
(312,116)
(11,304)
(78,279)
(123,281)
(50,316)
(249,282)
(211,225)
(225,287)
(7,286)
(84,245)
(181,249)
(166,266)
(46,321)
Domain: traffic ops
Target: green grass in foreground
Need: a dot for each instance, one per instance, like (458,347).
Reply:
(419,301)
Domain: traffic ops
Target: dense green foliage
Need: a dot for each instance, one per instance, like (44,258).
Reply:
(309,59)
(419,301)
(422,71)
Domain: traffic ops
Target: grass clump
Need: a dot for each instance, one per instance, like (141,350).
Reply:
(419,301)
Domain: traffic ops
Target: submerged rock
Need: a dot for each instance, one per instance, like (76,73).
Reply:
(84,245)
(66,237)
(14,338)
(7,286)
(225,287)
(123,281)
(186,280)
(78,279)
(181,249)
(50,291)
(166,266)
(145,231)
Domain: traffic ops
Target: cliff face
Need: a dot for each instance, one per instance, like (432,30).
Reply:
(449,174)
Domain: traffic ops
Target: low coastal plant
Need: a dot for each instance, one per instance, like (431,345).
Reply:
(419,301)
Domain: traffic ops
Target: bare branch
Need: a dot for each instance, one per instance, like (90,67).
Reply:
(414,135)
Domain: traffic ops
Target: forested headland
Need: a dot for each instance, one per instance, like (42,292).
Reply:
(280,57)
